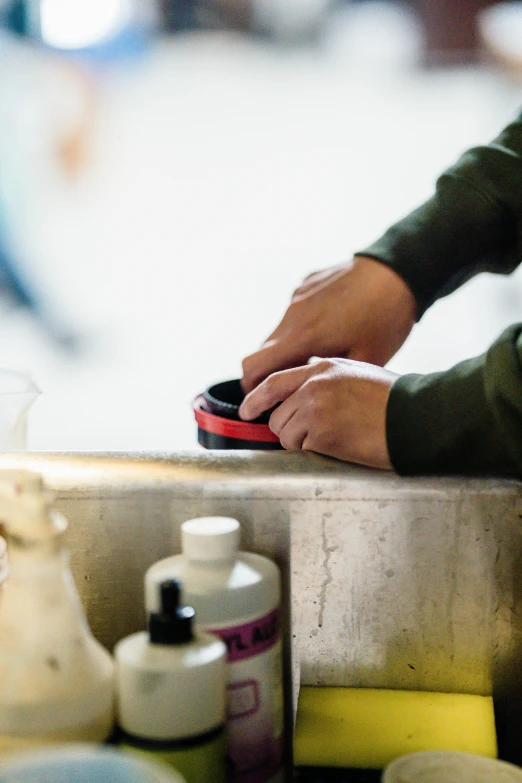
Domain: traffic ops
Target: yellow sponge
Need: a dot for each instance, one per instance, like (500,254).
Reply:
(366,728)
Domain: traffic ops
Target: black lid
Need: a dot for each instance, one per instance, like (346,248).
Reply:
(223,399)
(173,623)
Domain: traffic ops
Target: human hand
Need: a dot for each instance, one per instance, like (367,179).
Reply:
(335,407)
(360,310)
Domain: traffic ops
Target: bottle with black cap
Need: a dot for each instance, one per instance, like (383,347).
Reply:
(171,688)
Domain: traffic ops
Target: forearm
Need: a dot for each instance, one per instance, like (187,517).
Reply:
(472,223)
(467,420)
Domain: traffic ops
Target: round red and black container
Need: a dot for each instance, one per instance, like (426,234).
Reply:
(219,425)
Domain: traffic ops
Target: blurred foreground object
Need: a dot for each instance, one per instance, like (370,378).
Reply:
(85,763)
(52,57)
(47,105)
(501,32)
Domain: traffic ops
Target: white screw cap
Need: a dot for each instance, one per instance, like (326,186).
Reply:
(210,538)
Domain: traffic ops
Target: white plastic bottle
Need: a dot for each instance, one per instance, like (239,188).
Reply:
(236,596)
(56,680)
(171,685)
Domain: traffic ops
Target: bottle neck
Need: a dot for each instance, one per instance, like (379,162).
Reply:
(23,550)
(42,542)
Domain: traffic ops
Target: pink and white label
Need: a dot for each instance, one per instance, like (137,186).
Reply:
(244,641)
(255,699)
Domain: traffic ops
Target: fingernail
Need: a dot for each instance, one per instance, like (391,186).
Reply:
(243,411)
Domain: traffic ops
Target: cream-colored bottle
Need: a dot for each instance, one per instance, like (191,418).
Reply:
(171,691)
(56,680)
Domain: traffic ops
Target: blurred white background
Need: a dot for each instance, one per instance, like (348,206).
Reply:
(220,171)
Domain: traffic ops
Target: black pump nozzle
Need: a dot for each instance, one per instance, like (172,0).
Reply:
(173,623)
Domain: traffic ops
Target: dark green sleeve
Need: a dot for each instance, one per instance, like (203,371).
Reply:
(467,420)
(473,223)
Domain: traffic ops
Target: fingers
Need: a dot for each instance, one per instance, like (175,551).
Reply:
(335,407)
(271,357)
(259,365)
(282,414)
(294,433)
(305,329)
(288,423)
(273,390)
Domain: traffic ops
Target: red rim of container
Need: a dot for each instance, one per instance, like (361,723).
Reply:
(241,430)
